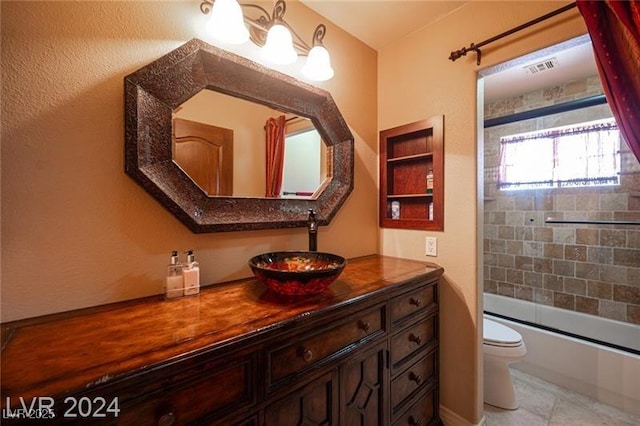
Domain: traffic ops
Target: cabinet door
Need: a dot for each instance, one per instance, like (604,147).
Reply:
(362,384)
(314,404)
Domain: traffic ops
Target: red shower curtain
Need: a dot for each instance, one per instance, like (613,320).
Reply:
(614,27)
(275,132)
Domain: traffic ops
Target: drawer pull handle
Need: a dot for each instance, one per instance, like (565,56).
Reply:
(415,378)
(167,419)
(413,422)
(305,353)
(415,302)
(415,339)
(364,326)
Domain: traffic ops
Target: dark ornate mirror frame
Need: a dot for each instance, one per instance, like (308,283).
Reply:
(154,91)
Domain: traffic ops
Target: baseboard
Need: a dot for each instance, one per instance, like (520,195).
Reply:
(449,418)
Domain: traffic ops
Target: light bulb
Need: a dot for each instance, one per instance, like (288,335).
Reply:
(318,64)
(227,23)
(279,46)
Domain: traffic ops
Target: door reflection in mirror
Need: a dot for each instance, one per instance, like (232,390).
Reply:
(229,158)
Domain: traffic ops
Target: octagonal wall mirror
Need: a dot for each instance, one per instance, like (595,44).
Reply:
(156,93)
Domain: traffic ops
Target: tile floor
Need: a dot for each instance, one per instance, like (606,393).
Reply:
(543,403)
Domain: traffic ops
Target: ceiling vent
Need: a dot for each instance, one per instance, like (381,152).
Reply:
(547,64)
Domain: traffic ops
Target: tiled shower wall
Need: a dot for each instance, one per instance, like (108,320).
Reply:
(594,269)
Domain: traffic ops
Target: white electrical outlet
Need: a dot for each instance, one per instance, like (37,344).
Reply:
(431,246)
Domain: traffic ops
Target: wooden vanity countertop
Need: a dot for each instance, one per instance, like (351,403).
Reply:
(61,353)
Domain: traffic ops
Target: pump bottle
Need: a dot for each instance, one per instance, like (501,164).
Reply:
(191,275)
(174,286)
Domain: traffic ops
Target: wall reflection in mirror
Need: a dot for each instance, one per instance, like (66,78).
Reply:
(232,147)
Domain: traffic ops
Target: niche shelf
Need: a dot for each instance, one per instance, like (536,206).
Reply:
(407,153)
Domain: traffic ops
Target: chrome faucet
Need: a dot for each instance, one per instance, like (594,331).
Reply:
(313,231)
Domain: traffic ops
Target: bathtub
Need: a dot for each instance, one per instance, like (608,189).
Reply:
(606,374)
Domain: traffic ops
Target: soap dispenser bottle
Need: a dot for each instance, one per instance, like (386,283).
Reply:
(174,286)
(191,275)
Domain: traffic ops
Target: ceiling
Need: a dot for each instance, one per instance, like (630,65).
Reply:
(380,22)
(383,21)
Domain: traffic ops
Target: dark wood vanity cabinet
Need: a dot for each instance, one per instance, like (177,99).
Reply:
(363,353)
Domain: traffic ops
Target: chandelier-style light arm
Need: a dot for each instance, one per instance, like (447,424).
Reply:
(279,43)
(265,20)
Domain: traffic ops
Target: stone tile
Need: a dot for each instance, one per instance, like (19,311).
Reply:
(633,277)
(633,313)
(575,286)
(575,252)
(555,251)
(587,305)
(490,232)
(543,202)
(490,286)
(506,260)
(515,218)
(533,279)
(633,239)
(495,416)
(524,293)
(497,218)
(565,202)
(506,203)
(543,234)
(587,270)
(543,265)
(506,289)
(626,294)
(553,282)
(524,233)
(564,301)
(626,257)
(613,202)
(568,413)
(524,263)
(601,255)
(599,290)
(525,203)
(588,237)
(613,274)
(499,246)
(564,268)
(506,232)
(613,238)
(533,248)
(613,310)
(515,247)
(490,259)
(515,276)
(564,235)
(587,202)
(497,273)
(543,296)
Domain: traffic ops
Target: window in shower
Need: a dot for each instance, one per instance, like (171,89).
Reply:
(586,154)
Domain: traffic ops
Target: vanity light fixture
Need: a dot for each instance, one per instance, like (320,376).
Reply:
(279,43)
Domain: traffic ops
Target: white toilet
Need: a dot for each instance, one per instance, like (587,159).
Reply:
(502,346)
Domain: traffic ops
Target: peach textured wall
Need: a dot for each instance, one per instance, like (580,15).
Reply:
(416,81)
(77,231)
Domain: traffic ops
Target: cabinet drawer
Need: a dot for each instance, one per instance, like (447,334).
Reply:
(416,301)
(413,340)
(416,377)
(423,412)
(206,394)
(313,348)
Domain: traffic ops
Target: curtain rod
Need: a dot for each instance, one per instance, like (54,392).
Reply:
(476,47)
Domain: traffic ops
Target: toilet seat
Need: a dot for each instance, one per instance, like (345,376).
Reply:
(496,334)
